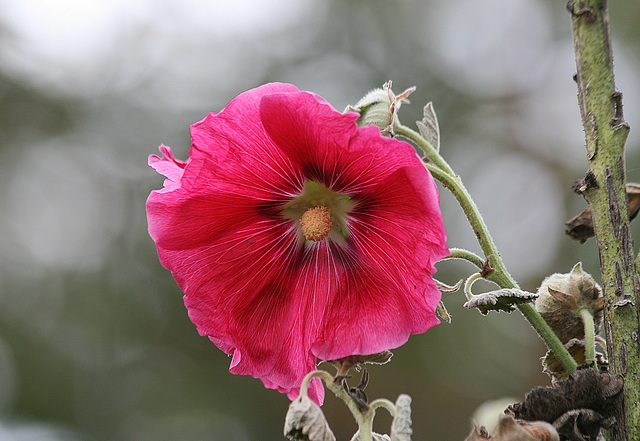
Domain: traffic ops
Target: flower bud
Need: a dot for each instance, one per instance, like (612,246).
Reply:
(561,297)
(380,107)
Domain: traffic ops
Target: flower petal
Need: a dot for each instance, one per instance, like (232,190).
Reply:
(168,166)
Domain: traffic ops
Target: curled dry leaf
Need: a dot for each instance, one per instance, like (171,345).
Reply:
(401,425)
(441,311)
(306,422)
(443,287)
(499,300)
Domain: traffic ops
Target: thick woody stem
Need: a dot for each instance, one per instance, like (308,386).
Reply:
(606,133)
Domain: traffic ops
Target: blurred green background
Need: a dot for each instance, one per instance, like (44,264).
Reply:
(95,344)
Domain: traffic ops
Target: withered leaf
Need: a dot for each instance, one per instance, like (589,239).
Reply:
(443,287)
(306,422)
(580,227)
(500,300)
(378,358)
(441,311)
(576,347)
(585,388)
(580,424)
(401,425)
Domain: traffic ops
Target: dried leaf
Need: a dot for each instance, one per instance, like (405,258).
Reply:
(401,425)
(429,128)
(554,368)
(352,360)
(500,300)
(580,424)
(306,422)
(580,227)
(441,311)
(443,287)
(586,388)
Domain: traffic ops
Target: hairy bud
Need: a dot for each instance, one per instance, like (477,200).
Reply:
(562,296)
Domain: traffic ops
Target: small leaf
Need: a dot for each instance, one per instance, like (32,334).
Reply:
(306,422)
(401,425)
(429,128)
(500,300)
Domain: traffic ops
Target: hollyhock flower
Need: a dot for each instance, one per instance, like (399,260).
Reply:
(297,235)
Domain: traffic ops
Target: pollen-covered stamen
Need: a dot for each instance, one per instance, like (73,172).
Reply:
(316,223)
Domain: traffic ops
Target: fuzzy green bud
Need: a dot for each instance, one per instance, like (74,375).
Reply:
(562,297)
(380,107)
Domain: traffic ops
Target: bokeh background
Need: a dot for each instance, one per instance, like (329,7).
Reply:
(95,344)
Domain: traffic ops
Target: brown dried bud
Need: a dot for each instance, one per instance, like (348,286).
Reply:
(562,296)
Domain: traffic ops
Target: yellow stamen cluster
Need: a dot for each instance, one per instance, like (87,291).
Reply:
(316,223)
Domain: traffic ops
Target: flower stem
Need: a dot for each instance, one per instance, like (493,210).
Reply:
(443,173)
(462,254)
(430,152)
(365,431)
(337,390)
(589,335)
(469,283)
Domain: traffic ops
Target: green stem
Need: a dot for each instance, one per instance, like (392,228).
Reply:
(462,254)
(430,152)
(337,390)
(365,431)
(443,173)
(453,183)
(469,283)
(589,335)
(548,336)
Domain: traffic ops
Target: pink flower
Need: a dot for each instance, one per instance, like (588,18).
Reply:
(297,235)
